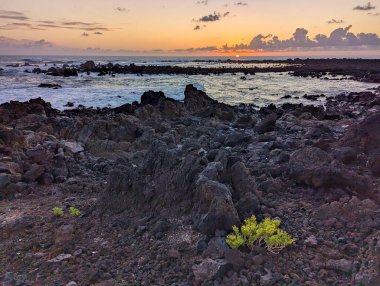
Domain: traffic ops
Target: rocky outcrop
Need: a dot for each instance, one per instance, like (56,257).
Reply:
(160,184)
(331,69)
(196,100)
(88,66)
(315,167)
(363,139)
(162,179)
(152,98)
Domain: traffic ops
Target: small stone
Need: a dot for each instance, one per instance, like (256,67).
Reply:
(236,138)
(49,85)
(210,269)
(47,179)
(267,124)
(60,258)
(258,260)
(69,104)
(34,172)
(9,279)
(173,253)
(64,238)
(161,226)
(311,241)
(330,222)
(72,283)
(267,279)
(216,248)
(72,147)
(201,246)
(341,265)
(235,258)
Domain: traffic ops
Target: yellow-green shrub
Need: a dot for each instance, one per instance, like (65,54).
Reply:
(74,211)
(267,233)
(57,211)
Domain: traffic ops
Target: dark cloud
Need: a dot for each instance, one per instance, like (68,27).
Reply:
(9,46)
(197,27)
(51,26)
(79,24)
(89,27)
(341,37)
(16,26)
(366,7)
(84,34)
(121,9)
(13,15)
(333,21)
(374,14)
(206,49)
(202,2)
(98,33)
(191,50)
(41,25)
(241,4)
(46,22)
(42,42)
(212,17)
(8,42)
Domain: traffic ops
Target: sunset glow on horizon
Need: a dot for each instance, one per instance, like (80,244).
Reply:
(168,27)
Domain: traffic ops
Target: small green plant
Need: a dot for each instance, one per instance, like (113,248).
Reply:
(58,211)
(267,234)
(74,211)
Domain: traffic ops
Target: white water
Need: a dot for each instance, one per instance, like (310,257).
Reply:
(92,90)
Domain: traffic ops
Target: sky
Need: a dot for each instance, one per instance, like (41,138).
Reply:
(187,27)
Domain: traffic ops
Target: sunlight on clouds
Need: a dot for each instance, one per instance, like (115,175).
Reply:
(169,25)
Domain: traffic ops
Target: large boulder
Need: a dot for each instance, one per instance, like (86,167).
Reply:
(365,136)
(163,178)
(34,172)
(37,109)
(267,123)
(315,168)
(214,208)
(364,139)
(88,66)
(242,181)
(69,72)
(11,137)
(236,138)
(198,103)
(53,71)
(196,100)
(152,97)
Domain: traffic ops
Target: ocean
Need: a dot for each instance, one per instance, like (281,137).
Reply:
(94,91)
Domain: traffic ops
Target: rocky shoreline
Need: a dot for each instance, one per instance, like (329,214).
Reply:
(160,183)
(356,69)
